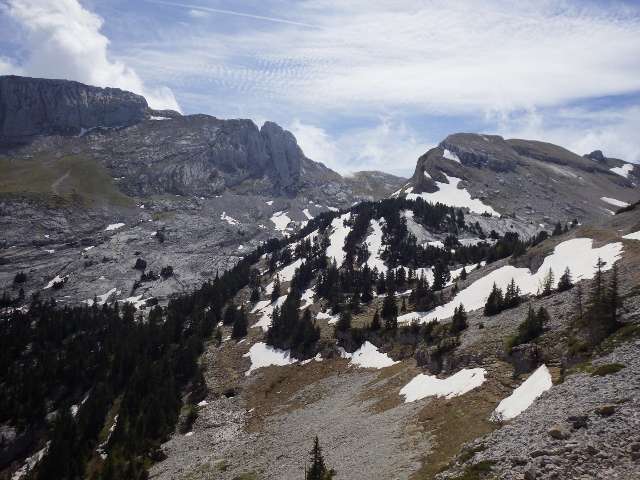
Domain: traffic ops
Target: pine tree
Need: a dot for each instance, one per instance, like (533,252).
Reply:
(495,302)
(459,320)
(441,275)
(565,283)
(239,325)
(318,470)
(255,295)
(463,274)
(229,314)
(275,293)
(512,295)
(547,283)
(390,311)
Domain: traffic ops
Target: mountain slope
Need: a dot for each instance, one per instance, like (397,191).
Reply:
(535,181)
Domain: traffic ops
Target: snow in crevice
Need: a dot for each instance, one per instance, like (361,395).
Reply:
(523,396)
(449,194)
(262,355)
(422,385)
(307,214)
(614,202)
(449,155)
(374,244)
(577,254)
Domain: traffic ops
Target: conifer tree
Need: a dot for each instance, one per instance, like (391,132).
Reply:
(344,322)
(547,283)
(565,282)
(317,469)
(495,302)
(239,325)
(512,295)
(275,293)
(390,311)
(459,320)
(441,275)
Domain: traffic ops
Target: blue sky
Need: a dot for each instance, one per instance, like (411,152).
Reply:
(362,84)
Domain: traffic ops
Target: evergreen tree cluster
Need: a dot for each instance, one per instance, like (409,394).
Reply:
(497,301)
(531,328)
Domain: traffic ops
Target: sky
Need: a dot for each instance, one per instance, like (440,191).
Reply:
(361,84)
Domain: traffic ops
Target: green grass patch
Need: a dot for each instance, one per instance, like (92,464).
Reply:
(71,178)
(607,369)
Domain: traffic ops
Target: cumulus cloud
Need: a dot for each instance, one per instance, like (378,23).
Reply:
(390,146)
(63,40)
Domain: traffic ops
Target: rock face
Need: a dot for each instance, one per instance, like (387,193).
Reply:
(35,106)
(535,181)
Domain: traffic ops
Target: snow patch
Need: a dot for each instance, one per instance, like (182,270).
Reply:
(270,202)
(263,355)
(450,194)
(632,236)
(449,155)
(614,202)
(56,279)
(623,171)
(374,244)
(113,226)
(331,319)
(281,220)
(307,214)
(368,356)
(101,299)
(422,385)
(523,396)
(337,237)
(228,219)
(266,312)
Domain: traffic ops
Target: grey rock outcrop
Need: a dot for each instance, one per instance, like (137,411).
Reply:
(35,106)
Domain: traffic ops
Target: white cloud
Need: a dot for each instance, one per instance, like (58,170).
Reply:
(434,57)
(198,13)
(63,40)
(8,68)
(389,146)
(581,130)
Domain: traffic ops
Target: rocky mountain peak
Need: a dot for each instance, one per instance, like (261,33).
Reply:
(36,106)
(285,155)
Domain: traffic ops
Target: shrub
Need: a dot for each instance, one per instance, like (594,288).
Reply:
(607,369)
(20,277)
(140,264)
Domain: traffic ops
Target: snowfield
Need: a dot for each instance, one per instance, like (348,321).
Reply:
(113,226)
(336,239)
(368,356)
(523,396)
(262,355)
(450,194)
(632,236)
(374,244)
(285,274)
(280,220)
(577,254)
(422,385)
(623,171)
(228,219)
(614,202)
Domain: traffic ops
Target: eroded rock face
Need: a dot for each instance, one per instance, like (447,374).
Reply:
(35,106)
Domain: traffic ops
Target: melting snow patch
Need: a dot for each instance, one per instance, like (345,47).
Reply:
(623,171)
(368,356)
(280,220)
(50,251)
(450,194)
(113,226)
(262,355)
(632,236)
(523,396)
(306,299)
(101,299)
(426,174)
(422,386)
(577,254)
(331,319)
(91,247)
(270,202)
(317,358)
(614,202)
(30,463)
(266,312)
(307,214)
(338,235)
(228,219)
